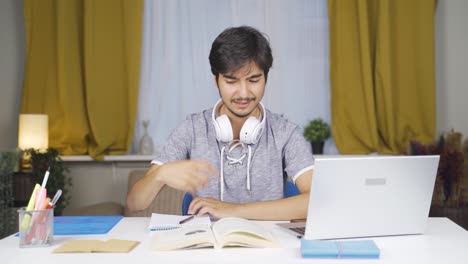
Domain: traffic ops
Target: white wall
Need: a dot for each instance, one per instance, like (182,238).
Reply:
(452,66)
(12,52)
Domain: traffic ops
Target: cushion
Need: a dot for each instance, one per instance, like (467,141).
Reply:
(168,200)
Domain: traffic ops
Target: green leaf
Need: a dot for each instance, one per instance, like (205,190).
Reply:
(40,162)
(317,130)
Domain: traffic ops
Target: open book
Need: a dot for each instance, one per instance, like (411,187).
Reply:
(227,232)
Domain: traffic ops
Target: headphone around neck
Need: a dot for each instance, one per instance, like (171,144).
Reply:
(250,132)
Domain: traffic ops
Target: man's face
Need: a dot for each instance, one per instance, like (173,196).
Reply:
(242,90)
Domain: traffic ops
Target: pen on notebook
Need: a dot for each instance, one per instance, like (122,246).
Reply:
(186,219)
(44,182)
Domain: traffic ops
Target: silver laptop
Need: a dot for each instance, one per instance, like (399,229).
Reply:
(369,196)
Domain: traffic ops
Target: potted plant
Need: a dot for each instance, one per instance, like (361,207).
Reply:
(8,161)
(450,196)
(317,131)
(40,162)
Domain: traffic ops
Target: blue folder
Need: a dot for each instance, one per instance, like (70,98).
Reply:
(339,249)
(84,225)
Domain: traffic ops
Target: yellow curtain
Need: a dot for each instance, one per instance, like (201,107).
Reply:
(82,69)
(382,74)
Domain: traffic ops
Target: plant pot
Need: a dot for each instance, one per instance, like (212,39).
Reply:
(317,147)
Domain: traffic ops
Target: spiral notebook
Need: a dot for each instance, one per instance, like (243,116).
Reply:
(167,222)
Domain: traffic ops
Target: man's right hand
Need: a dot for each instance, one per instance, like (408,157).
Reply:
(186,175)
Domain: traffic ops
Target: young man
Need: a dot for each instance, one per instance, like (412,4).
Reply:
(233,157)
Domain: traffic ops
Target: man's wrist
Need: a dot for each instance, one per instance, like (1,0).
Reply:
(158,174)
(239,210)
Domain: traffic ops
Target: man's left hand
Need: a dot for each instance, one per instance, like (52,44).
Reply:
(214,207)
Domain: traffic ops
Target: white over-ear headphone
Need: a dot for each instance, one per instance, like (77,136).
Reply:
(250,132)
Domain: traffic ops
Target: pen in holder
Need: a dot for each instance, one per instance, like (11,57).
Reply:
(36,227)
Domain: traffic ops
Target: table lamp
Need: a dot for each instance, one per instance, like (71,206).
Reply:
(33,133)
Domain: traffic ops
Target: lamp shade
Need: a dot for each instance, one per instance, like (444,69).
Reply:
(33,131)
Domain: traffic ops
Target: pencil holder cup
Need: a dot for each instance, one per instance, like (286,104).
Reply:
(36,227)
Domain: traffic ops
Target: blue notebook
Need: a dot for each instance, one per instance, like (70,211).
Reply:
(84,225)
(339,249)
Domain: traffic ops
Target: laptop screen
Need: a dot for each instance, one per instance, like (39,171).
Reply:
(370,196)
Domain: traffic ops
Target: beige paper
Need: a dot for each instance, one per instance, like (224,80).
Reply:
(97,246)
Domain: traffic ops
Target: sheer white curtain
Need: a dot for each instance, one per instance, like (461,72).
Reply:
(175,75)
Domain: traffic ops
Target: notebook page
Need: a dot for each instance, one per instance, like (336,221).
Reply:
(166,222)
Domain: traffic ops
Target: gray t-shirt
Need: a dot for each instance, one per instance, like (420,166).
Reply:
(281,148)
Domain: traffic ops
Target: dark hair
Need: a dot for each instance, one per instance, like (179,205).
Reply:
(236,46)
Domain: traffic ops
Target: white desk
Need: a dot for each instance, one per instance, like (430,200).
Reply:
(444,242)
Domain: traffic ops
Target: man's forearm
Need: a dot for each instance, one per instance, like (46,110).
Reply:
(294,207)
(143,192)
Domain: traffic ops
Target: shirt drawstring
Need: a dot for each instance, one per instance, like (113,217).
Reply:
(233,161)
(248,167)
(221,180)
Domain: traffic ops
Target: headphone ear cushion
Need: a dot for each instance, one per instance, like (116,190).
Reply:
(223,129)
(251,131)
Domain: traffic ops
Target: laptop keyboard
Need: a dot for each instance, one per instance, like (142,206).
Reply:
(300,230)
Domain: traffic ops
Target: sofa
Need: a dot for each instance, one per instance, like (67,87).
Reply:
(168,201)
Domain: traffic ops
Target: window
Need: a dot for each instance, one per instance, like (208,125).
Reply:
(175,75)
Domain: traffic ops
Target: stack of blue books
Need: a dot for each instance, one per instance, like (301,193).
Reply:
(339,249)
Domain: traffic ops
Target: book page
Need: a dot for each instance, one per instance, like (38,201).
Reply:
(185,237)
(234,231)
